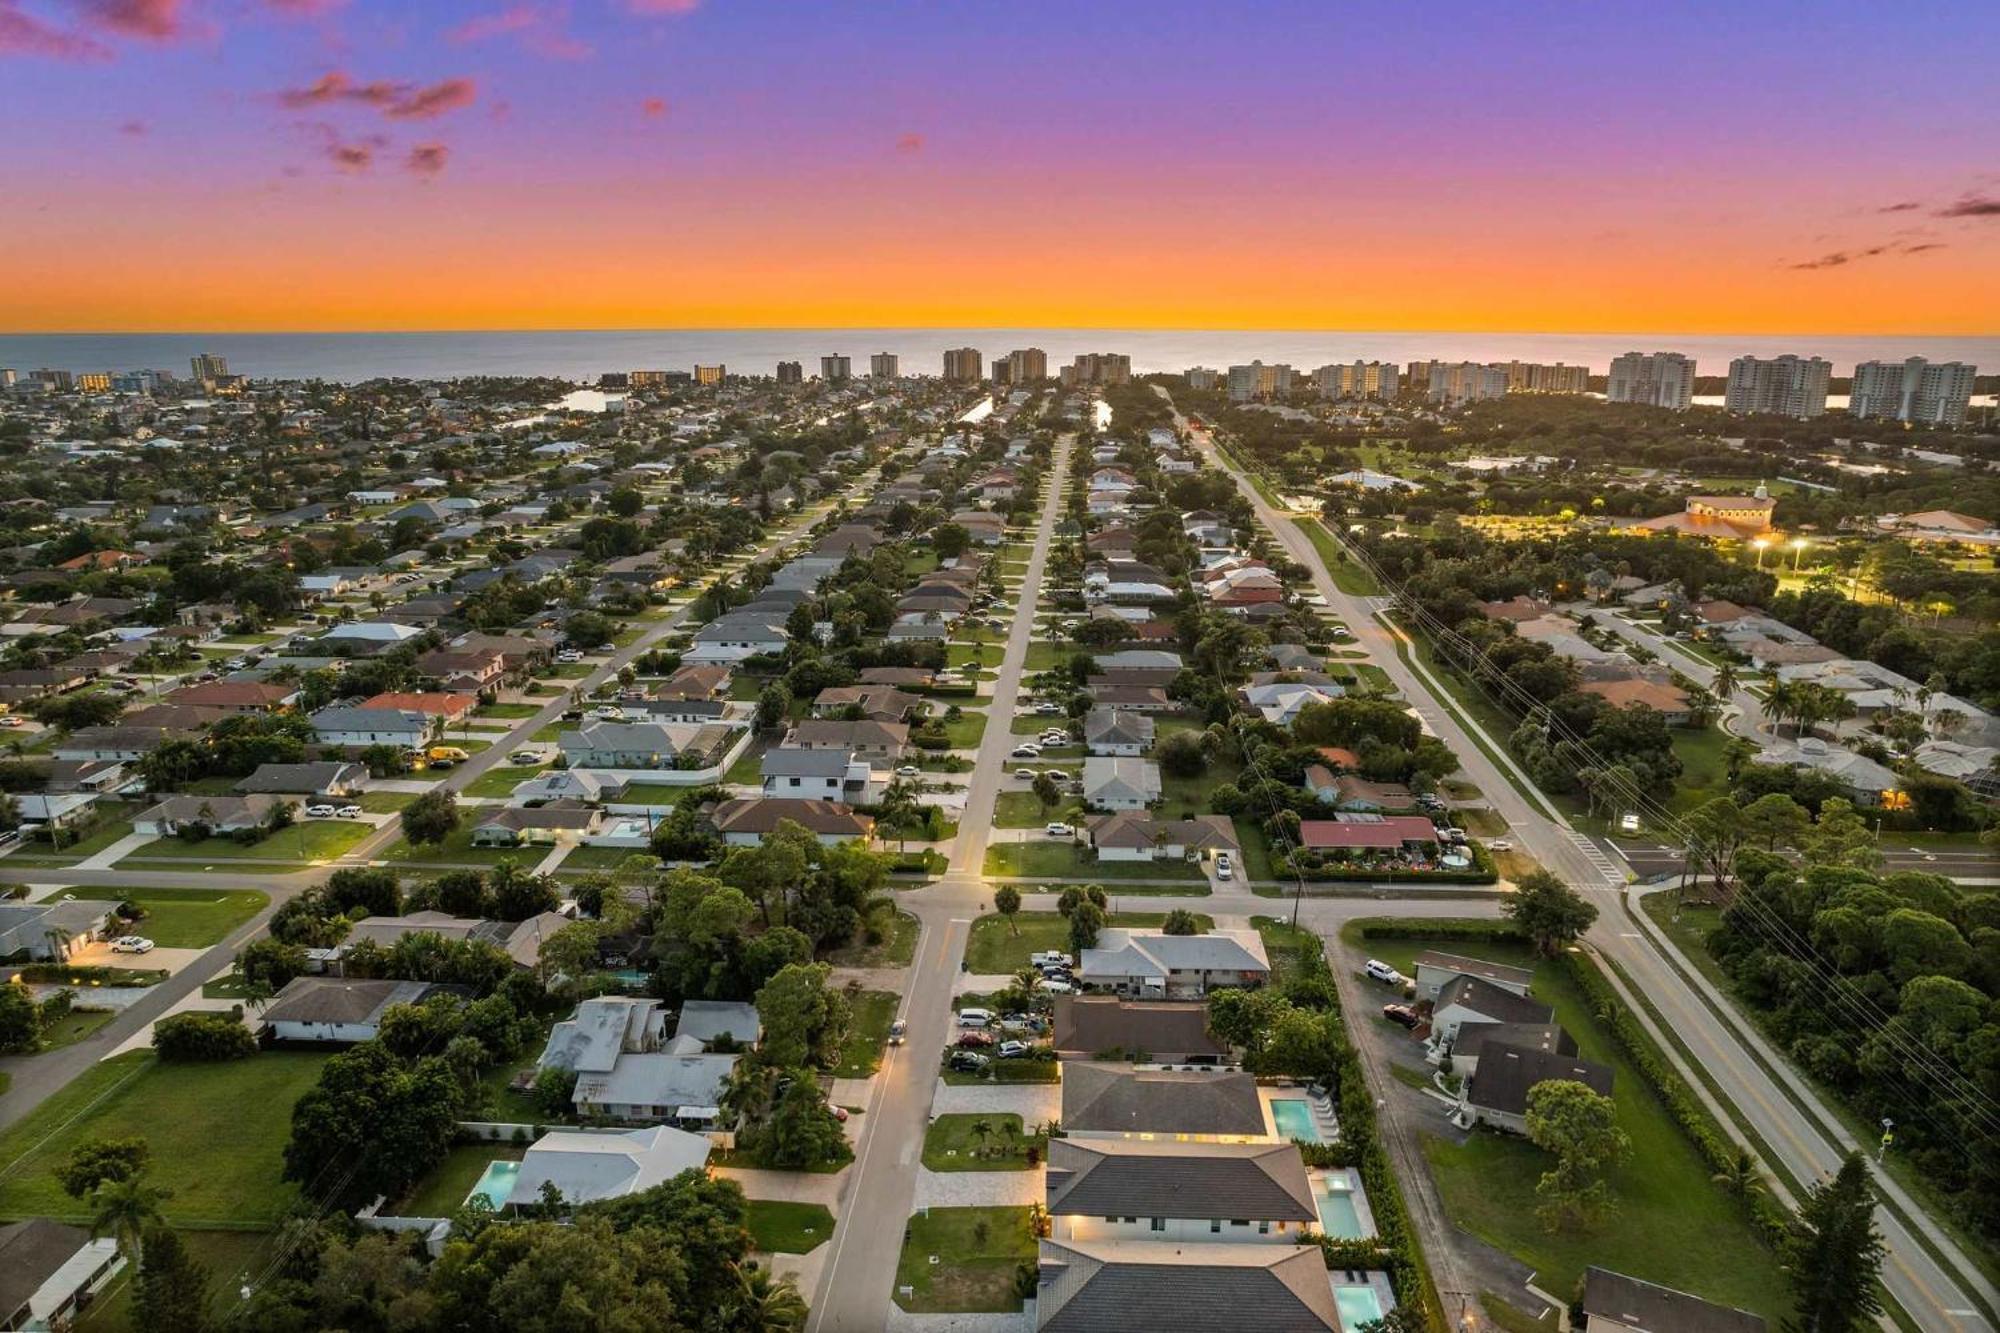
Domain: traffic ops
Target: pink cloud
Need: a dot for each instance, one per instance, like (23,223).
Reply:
(133,127)
(653,108)
(663,6)
(25,35)
(352,156)
(541,30)
(427,159)
(154,20)
(398,101)
(910,143)
(303,9)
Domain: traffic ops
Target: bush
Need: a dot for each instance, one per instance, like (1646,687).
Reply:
(1466,932)
(203,1037)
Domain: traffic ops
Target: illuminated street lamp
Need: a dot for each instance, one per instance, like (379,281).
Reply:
(1760,543)
(1799,545)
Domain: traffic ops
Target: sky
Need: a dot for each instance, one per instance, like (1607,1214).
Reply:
(266,165)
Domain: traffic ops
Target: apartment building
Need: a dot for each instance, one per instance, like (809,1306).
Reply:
(1788,386)
(964,365)
(1657,379)
(1259,381)
(1362,379)
(1924,392)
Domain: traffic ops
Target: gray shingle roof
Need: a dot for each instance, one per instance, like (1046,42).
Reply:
(1657,1309)
(1096,1288)
(1506,1073)
(1144,1178)
(1108,1099)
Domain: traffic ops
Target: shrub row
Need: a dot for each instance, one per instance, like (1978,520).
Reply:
(1395,1235)
(1324,875)
(1767,1217)
(1467,932)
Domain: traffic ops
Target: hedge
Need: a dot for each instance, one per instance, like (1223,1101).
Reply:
(1416,928)
(1769,1218)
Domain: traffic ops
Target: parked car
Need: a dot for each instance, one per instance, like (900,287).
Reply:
(899,1032)
(349,812)
(1058,986)
(908,771)
(1013,1050)
(10,721)
(319,812)
(1400,1014)
(975,1018)
(451,752)
(1500,845)
(1059,830)
(838,1113)
(1050,958)
(1024,775)
(131,944)
(569,657)
(1377,970)
(1224,867)
(1049,708)
(1025,750)
(973,1038)
(968,1062)
(1628,823)
(1054,737)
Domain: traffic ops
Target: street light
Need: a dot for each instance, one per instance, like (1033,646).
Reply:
(1760,543)
(1799,545)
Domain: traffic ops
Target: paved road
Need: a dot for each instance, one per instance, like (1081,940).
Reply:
(857,1284)
(38,1077)
(1966,865)
(1771,1098)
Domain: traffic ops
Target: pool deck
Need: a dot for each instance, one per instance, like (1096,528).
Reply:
(1323,1129)
(1345,1180)
(1385,1295)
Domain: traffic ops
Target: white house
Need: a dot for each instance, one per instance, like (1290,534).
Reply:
(585,1166)
(337,1009)
(1151,963)
(1119,783)
(736,636)
(1135,1189)
(374,726)
(49,1272)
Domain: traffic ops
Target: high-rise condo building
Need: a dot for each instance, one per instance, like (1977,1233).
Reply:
(1026,365)
(645,379)
(1465,381)
(835,369)
(964,365)
(791,372)
(1788,386)
(56,381)
(208,367)
(1539,377)
(709,374)
(1258,380)
(884,366)
(1203,378)
(1100,368)
(1363,379)
(1657,379)
(94,381)
(1928,393)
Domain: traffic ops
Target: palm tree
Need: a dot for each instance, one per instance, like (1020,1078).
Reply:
(761,1305)
(123,1209)
(982,1130)
(1726,680)
(1741,1176)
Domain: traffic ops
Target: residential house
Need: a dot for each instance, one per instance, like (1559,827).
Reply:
(1471,1000)
(588,1166)
(815,775)
(362,727)
(1669,701)
(1120,1286)
(745,822)
(327,778)
(1102,1100)
(1135,835)
(1614,1303)
(1106,1027)
(338,1009)
(447,706)
(1497,1092)
(1475,1039)
(534,825)
(877,703)
(50,1273)
(463,671)
(1378,833)
(218,814)
(1354,792)
(1115,731)
(50,931)
(1435,970)
(878,742)
(1280,702)
(1153,964)
(596,744)
(696,682)
(1138,1190)
(706,1022)
(235,696)
(1117,783)
(735,637)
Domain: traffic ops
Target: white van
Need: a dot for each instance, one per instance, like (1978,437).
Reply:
(975,1018)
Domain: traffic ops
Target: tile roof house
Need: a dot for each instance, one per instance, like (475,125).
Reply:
(1104,1099)
(869,739)
(744,821)
(1112,1287)
(1153,964)
(235,696)
(588,1166)
(1135,835)
(441,704)
(1368,832)
(1168,1031)
(330,777)
(1170,1191)
(220,814)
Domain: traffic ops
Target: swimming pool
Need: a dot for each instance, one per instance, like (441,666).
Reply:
(1357,1306)
(1338,1217)
(1294,1119)
(496,1182)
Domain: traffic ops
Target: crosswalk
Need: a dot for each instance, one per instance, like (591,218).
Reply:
(1599,859)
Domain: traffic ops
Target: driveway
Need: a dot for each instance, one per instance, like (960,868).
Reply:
(98,954)
(1035,1103)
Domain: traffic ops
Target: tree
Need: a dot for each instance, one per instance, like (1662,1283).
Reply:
(1007,901)
(97,1161)
(800,1131)
(431,818)
(1580,1127)
(1180,921)
(1833,1255)
(950,540)
(762,1304)
(1181,755)
(1047,794)
(773,702)
(126,1209)
(197,1036)
(1085,921)
(1554,915)
(20,1020)
(171,1295)
(1840,838)
(804,1020)
(1741,1176)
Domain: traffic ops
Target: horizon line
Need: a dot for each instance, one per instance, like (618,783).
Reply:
(939,328)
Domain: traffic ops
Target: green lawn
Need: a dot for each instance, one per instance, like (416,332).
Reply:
(996,947)
(897,947)
(955,1143)
(513,712)
(186,918)
(1045,655)
(1348,576)
(457,848)
(605,858)
(780,1227)
(442,1192)
(217,1132)
(1704,767)
(384,802)
(749,768)
(307,840)
(861,1053)
(232,1258)
(1287,945)
(500,780)
(965,731)
(106,832)
(979,1252)
(967,654)
(1020,809)
(1054,859)
(1672,1224)
(74,1026)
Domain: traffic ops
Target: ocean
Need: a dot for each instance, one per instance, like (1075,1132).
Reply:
(585,354)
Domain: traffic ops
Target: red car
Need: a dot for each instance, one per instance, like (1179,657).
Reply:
(968,1040)
(1400,1014)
